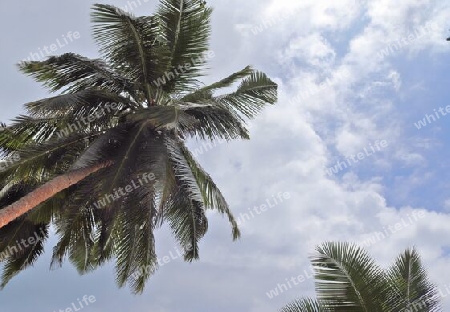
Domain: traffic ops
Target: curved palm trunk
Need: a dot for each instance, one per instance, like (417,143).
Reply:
(44,192)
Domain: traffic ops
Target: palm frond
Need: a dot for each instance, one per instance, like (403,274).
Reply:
(103,249)
(135,153)
(254,93)
(40,161)
(125,151)
(76,73)
(414,292)
(80,104)
(76,224)
(27,130)
(163,117)
(205,94)
(214,122)
(75,228)
(347,278)
(129,43)
(185,209)
(185,29)
(134,240)
(212,197)
(22,244)
(303,305)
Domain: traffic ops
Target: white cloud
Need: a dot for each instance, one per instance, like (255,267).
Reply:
(314,49)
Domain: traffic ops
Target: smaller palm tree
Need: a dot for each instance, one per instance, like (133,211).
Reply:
(348,280)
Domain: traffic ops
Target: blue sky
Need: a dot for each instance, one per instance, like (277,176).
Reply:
(292,145)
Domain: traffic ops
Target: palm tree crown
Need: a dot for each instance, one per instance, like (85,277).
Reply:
(105,161)
(347,279)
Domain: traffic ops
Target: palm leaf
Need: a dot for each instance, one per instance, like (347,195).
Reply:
(39,161)
(163,117)
(75,228)
(348,279)
(26,253)
(185,29)
(134,241)
(254,93)
(205,93)
(414,292)
(129,44)
(80,104)
(214,122)
(76,73)
(211,195)
(185,210)
(303,305)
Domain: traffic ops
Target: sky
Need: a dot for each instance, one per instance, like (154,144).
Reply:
(356,150)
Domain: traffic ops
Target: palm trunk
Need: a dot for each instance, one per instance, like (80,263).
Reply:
(44,192)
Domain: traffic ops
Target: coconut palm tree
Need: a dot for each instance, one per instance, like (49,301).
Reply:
(105,160)
(347,279)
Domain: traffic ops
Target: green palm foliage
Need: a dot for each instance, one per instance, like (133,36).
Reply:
(144,135)
(348,279)
(16,254)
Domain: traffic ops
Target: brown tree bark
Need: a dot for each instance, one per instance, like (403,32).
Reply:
(44,192)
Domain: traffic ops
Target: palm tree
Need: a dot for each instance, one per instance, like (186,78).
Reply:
(107,183)
(347,279)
